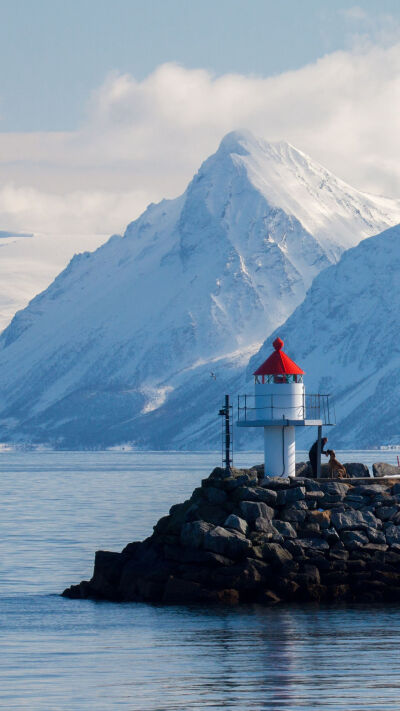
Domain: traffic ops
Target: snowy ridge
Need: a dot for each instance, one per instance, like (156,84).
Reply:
(346,336)
(121,346)
(29,263)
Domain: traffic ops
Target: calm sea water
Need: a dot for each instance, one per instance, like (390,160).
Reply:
(57,654)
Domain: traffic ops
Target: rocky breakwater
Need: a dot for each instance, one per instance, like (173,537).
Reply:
(243,538)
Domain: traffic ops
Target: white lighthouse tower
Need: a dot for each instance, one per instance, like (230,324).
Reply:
(279,406)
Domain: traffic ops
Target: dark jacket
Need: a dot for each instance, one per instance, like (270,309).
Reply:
(313,453)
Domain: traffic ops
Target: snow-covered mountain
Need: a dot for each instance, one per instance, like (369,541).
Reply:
(139,340)
(30,262)
(346,336)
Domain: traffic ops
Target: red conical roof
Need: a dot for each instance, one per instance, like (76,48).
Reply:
(279,363)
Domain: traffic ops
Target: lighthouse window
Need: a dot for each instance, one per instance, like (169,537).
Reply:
(278,379)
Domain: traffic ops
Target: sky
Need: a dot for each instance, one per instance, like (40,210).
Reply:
(106,106)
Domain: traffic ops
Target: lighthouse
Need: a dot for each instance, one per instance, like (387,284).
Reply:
(279,406)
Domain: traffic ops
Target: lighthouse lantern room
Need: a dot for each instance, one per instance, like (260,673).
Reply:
(279,406)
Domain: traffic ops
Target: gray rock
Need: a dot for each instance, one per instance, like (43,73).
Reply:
(229,543)
(392,534)
(193,533)
(221,473)
(375,536)
(376,547)
(292,546)
(309,574)
(268,496)
(256,493)
(290,496)
(318,544)
(303,469)
(300,505)
(316,494)
(337,553)
(369,490)
(296,516)
(237,523)
(242,480)
(334,488)
(285,528)
(276,554)
(385,469)
(308,529)
(354,539)
(331,535)
(353,519)
(215,496)
(355,469)
(251,510)
(197,556)
(386,513)
(354,500)
(275,483)
(265,526)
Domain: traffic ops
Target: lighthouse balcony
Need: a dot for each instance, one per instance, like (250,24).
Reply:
(281,409)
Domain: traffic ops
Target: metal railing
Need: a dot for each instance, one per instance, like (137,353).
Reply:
(280,406)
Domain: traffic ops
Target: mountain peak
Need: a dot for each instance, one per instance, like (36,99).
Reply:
(197,285)
(244,142)
(237,142)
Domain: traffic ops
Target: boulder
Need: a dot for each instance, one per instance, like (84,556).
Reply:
(229,543)
(284,528)
(353,519)
(265,527)
(303,469)
(314,543)
(392,534)
(334,488)
(215,496)
(369,491)
(193,533)
(293,515)
(275,554)
(237,523)
(309,575)
(353,539)
(178,591)
(286,497)
(385,469)
(251,510)
(355,469)
(255,493)
(386,513)
(375,536)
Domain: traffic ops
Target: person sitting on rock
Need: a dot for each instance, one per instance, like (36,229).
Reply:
(313,454)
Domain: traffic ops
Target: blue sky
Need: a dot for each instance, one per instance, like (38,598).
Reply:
(107,105)
(54,53)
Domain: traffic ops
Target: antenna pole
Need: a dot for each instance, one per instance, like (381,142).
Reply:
(227,434)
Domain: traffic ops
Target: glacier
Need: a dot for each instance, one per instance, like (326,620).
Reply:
(138,341)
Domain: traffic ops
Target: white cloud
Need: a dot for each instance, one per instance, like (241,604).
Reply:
(142,140)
